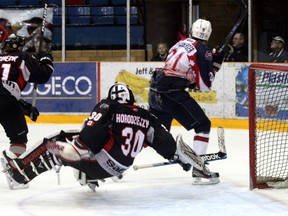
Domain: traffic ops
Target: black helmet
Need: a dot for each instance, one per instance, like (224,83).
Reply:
(13,43)
(121,93)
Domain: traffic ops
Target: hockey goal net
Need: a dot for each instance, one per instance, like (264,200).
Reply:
(268,126)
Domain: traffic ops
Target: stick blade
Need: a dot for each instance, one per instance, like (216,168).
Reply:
(221,139)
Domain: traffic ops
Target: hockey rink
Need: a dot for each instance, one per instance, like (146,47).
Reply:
(153,191)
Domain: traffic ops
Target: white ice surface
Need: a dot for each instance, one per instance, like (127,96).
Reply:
(153,191)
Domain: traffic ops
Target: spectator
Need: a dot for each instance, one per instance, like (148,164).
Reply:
(162,52)
(182,32)
(278,54)
(238,50)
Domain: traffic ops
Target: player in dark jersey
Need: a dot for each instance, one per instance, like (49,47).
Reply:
(16,69)
(111,138)
(190,64)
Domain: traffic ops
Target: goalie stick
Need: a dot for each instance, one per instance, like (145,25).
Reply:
(40,48)
(243,14)
(222,154)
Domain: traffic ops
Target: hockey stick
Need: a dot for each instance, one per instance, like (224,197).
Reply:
(40,48)
(243,14)
(222,154)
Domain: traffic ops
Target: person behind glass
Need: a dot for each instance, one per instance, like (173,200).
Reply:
(162,52)
(238,51)
(190,64)
(182,32)
(278,54)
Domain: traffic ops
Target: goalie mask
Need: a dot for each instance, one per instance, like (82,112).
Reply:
(121,93)
(201,29)
(13,43)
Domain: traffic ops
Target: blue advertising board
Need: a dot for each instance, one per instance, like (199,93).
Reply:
(241,87)
(73,88)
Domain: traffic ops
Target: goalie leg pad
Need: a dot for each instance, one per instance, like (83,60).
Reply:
(63,135)
(23,170)
(69,150)
(12,184)
(186,155)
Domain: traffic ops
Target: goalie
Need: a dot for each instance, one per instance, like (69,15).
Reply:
(111,138)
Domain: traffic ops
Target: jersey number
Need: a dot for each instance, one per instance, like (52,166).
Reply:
(133,142)
(5,71)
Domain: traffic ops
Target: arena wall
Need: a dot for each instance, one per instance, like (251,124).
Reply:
(76,87)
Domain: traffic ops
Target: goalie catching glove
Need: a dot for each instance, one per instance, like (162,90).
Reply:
(29,110)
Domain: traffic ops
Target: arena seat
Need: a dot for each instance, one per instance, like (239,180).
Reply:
(8,3)
(30,2)
(98,2)
(102,15)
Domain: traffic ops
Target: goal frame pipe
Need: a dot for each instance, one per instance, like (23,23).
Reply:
(252,107)
(252,126)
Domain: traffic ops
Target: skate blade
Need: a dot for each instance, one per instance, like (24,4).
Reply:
(92,187)
(205,181)
(118,178)
(12,184)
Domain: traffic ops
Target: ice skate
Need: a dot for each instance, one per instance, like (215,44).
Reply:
(118,178)
(92,184)
(7,169)
(204,177)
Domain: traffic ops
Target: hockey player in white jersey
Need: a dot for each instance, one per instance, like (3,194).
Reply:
(190,64)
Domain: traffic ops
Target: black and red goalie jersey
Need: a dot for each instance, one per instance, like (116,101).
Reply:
(120,131)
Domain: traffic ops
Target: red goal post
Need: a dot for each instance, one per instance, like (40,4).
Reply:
(268,125)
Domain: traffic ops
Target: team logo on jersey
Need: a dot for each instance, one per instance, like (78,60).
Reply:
(90,123)
(104,106)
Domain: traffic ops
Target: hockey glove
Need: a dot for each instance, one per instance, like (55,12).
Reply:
(29,110)
(193,88)
(175,159)
(217,60)
(45,57)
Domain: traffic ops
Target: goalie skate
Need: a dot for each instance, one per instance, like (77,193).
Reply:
(83,179)
(204,177)
(92,185)
(118,178)
(12,184)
